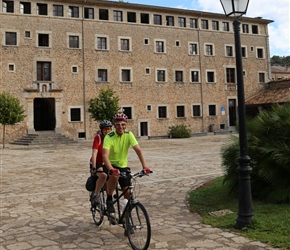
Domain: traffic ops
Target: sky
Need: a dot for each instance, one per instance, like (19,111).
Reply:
(276,10)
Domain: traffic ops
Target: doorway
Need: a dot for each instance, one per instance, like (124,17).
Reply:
(44,114)
(232,112)
(144,128)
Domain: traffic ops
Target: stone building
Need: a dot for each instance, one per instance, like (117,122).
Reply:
(168,66)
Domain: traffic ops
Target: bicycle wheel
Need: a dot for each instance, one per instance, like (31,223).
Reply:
(138,228)
(98,211)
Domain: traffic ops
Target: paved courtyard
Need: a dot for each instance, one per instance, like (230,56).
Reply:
(44,204)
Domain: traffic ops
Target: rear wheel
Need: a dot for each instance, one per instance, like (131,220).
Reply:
(137,226)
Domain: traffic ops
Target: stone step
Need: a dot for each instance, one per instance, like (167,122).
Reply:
(43,137)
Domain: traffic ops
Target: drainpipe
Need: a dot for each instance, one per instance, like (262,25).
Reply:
(84,76)
(200,73)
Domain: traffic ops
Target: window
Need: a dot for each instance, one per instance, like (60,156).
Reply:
(193,23)
(231,75)
(210,77)
(162,112)
(43,40)
(89,13)
(194,76)
(212,110)
(25,8)
(226,26)
(73,11)
(128,112)
(147,71)
(74,69)
(245,28)
(209,50)
(193,50)
(102,43)
(180,111)
(8,7)
(131,17)
(169,20)
(41,9)
(146,41)
(125,44)
(75,114)
(103,14)
(11,67)
(125,75)
(43,71)
(181,22)
(161,75)
(261,77)
(102,75)
(204,24)
(117,15)
(11,38)
(229,50)
(159,47)
(244,51)
(144,18)
(255,29)
(27,34)
(157,19)
(74,42)
(149,107)
(215,25)
(196,110)
(57,10)
(260,53)
(178,76)
(177,43)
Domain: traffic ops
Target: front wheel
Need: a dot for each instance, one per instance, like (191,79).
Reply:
(98,212)
(137,226)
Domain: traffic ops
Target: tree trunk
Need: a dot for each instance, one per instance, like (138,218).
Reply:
(3,135)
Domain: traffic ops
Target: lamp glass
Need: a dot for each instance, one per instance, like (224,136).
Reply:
(235,7)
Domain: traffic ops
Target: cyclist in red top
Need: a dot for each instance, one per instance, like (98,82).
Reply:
(97,159)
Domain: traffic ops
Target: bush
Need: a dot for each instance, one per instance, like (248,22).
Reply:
(179,131)
(269,150)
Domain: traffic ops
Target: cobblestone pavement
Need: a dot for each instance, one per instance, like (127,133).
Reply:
(44,204)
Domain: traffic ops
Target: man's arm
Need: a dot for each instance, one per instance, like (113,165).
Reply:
(106,160)
(140,155)
(94,158)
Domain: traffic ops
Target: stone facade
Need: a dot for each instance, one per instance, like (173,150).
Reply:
(58,63)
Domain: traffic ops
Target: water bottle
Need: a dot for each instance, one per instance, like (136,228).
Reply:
(123,204)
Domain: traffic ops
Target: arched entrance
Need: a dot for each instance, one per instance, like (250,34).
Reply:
(44,114)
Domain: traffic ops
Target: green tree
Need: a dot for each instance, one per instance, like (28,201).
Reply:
(11,111)
(104,106)
(269,150)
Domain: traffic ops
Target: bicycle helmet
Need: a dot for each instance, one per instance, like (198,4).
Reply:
(105,124)
(120,117)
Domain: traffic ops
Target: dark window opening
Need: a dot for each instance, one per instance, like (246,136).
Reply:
(103,14)
(144,18)
(128,112)
(43,71)
(89,13)
(42,9)
(131,17)
(75,114)
(25,8)
(43,40)
(162,112)
(180,111)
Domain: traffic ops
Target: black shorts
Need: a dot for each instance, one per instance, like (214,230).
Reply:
(123,181)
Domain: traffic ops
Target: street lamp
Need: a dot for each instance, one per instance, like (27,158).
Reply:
(237,8)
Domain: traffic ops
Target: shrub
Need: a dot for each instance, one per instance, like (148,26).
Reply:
(179,131)
(269,150)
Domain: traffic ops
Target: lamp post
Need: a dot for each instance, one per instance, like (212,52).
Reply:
(237,8)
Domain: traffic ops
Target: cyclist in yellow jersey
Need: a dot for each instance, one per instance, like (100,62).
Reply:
(115,156)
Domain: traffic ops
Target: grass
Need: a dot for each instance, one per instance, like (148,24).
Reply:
(270,223)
